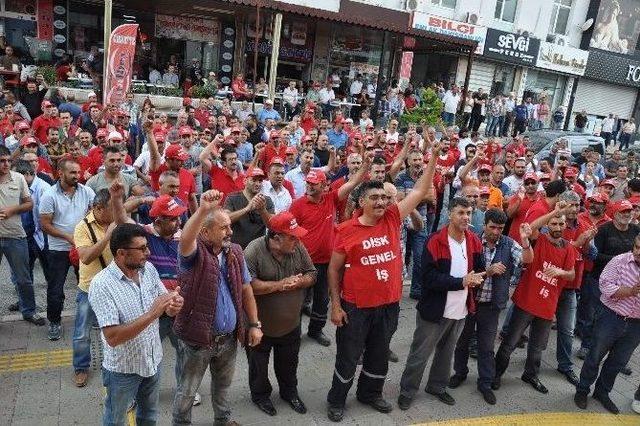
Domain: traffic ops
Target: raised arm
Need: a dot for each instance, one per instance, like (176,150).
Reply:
(399,160)
(543,220)
(155,159)
(209,201)
(350,185)
(422,186)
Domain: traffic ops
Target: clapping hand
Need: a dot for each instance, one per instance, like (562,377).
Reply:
(175,303)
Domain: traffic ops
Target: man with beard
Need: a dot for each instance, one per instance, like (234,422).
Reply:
(276,147)
(578,233)
(616,329)
(277,188)
(42,123)
(62,207)
(113,162)
(132,350)
(226,177)
(504,258)
(367,252)
(316,211)
(520,202)
(216,308)
(281,271)
(249,210)
(515,181)
(536,297)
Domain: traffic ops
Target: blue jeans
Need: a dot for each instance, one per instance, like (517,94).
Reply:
(16,250)
(614,337)
(122,390)
(416,240)
(494,124)
(85,318)
(565,319)
(449,118)
(589,301)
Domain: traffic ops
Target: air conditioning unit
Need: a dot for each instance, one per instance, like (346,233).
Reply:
(416,6)
(472,18)
(522,32)
(561,40)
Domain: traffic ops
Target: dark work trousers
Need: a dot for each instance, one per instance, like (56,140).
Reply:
(485,321)
(320,301)
(519,126)
(59,264)
(370,329)
(589,300)
(508,119)
(538,338)
(285,364)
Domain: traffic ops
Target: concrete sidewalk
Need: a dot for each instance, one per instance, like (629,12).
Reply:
(36,380)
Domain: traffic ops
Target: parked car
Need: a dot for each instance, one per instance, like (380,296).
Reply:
(542,140)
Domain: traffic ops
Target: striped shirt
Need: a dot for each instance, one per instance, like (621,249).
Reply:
(621,271)
(117,300)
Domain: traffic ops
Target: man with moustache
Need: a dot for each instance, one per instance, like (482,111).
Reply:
(536,297)
(275,187)
(520,202)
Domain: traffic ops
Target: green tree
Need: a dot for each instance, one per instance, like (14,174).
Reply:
(429,110)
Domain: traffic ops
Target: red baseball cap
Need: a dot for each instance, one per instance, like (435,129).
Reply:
(166,205)
(370,126)
(186,101)
(291,150)
(599,197)
(285,223)
(255,172)
(46,104)
(307,139)
(274,134)
(608,182)
(101,133)
(235,130)
(175,152)
(185,130)
(21,125)
(530,176)
(622,205)
(27,140)
(485,191)
(485,168)
(160,136)
(276,160)
(316,176)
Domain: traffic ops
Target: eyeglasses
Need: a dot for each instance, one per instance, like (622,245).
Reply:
(5,160)
(143,248)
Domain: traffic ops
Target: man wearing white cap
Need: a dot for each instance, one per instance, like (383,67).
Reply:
(268,112)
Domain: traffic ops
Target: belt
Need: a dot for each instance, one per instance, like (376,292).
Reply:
(221,337)
(624,317)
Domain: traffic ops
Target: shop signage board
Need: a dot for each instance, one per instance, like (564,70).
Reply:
(405,69)
(510,47)
(564,59)
(188,28)
(613,68)
(439,25)
(122,49)
(59,28)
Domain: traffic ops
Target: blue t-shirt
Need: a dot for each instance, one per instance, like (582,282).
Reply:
(225,319)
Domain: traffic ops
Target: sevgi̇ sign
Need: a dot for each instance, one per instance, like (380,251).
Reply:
(509,47)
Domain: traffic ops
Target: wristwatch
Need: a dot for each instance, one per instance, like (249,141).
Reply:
(257,325)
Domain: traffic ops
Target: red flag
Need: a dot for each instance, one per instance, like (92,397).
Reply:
(122,49)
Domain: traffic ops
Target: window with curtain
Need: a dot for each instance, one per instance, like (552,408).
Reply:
(560,16)
(506,10)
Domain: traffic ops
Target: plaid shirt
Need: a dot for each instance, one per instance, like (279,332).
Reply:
(116,300)
(485,292)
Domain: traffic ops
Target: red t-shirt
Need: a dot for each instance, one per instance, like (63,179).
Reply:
(518,219)
(270,152)
(6,127)
(373,264)
(319,219)
(187,182)
(584,216)
(95,159)
(572,234)
(61,73)
(308,123)
(537,209)
(222,181)
(342,204)
(537,293)
(44,167)
(40,126)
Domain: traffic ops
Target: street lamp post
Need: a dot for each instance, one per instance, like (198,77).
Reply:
(275,51)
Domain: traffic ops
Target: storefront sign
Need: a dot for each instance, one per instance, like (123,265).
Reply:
(562,58)
(405,69)
(187,28)
(58,23)
(510,47)
(45,18)
(439,25)
(291,52)
(226,54)
(122,48)
(615,69)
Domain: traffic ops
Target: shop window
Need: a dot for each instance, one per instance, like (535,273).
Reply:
(451,4)
(506,10)
(560,17)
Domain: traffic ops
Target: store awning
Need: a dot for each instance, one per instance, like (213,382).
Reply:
(357,13)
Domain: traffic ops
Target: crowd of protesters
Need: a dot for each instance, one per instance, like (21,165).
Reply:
(322,215)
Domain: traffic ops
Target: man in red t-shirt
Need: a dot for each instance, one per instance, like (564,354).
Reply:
(365,281)
(41,124)
(521,202)
(546,204)
(579,233)
(225,178)
(316,212)
(536,297)
(174,158)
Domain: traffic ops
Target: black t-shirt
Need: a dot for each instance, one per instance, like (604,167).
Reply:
(477,108)
(610,242)
(323,156)
(255,136)
(250,226)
